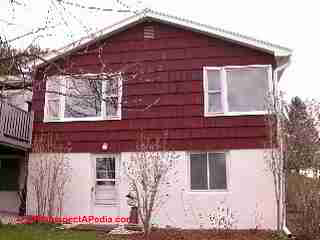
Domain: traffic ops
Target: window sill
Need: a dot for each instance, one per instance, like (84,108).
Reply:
(209,191)
(106,205)
(230,114)
(81,120)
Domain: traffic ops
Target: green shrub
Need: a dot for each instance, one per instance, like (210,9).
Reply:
(304,206)
(279,236)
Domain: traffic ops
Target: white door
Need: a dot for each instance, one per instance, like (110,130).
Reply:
(105,189)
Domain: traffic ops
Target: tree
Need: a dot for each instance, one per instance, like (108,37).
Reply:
(302,139)
(49,174)
(150,172)
(293,143)
(276,163)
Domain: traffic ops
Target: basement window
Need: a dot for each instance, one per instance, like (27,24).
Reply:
(208,171)
(236,90)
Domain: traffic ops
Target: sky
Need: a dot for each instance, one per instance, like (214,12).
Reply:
(292,24)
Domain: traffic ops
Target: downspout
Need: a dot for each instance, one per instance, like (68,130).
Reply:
(276,80)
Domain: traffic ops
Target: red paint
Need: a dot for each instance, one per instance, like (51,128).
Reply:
(172,71)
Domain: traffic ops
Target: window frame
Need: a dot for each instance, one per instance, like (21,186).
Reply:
(62,103)
(228,186)
(224,89)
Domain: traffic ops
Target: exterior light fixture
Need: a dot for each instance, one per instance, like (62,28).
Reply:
(105,146)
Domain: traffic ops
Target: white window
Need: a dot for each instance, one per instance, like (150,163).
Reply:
(208,171)
(82,98)
(236,89)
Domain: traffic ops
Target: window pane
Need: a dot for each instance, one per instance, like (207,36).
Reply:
(105,183)
(198,169)
(112,87)
(247,89)
(214,102)
(111,106)
(53,93)
(217,171)
(105,168)
(83,98)
(53,108)
(111,168)
(54,85)
(213,80)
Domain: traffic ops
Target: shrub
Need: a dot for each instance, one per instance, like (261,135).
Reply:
(303,195)
(279,236)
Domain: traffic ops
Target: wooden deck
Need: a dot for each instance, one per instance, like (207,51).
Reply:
(15,127)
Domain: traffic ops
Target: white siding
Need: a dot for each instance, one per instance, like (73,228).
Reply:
(78,194)
(250,195)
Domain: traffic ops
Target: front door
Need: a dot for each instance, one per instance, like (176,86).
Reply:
(105,189)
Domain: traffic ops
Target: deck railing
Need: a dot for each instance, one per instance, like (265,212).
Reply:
(15,126)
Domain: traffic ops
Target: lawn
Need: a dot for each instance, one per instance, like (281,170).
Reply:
(41,232)
(49,232)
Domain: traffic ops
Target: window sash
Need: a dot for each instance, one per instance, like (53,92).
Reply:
(61,98)
(208,175)
(224,89)
(108,168)
(198,171)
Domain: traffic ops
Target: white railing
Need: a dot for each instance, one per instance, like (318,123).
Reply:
(15,126)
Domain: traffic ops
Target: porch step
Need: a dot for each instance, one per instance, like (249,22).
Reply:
(8,219)
(134,227)
(95,227)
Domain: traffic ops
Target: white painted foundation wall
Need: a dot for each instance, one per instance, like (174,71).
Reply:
(250,194)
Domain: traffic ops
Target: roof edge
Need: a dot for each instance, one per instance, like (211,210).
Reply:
(274,49)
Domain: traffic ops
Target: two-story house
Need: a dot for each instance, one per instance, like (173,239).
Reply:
(205,86)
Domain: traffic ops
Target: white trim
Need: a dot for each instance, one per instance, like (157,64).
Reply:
(119,113)
(188,171)
(62,101)
(224,90)
(146,14)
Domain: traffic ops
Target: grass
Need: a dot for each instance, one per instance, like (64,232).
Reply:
(49,232)
(41,232)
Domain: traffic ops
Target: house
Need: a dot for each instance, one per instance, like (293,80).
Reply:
(204,85)
(15,143)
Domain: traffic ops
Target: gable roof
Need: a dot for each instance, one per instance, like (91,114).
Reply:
(148,14)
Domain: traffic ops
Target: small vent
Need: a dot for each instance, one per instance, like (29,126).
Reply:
(148,32)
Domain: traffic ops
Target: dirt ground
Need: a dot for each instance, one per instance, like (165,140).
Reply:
(175,234)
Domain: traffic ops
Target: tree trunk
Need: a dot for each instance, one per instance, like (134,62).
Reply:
(146,230)
(278,215)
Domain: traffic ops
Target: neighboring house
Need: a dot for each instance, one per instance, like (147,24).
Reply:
(204,85)
(15,142)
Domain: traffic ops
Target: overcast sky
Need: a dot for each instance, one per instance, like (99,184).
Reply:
(293,24)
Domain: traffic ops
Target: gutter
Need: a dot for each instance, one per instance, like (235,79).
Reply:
(286,230)
(284,226)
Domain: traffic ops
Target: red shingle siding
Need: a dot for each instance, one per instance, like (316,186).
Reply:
(172,72)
